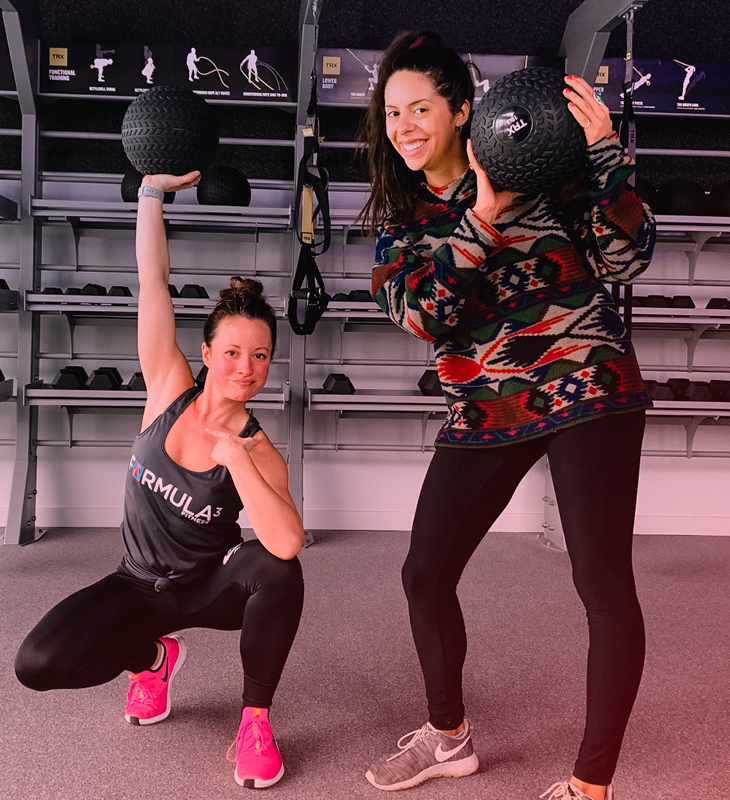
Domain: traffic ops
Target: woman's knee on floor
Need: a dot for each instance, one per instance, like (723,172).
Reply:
(255,567)
(41,664)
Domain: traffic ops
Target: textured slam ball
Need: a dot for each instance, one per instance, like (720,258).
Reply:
(718,203)
(681,197)
(169,130)
(523,134)
(131,182)
(224,186)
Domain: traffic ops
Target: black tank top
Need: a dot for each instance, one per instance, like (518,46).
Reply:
(176,522)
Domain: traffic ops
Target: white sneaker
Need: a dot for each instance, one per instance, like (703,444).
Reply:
(566,791)
(428,754)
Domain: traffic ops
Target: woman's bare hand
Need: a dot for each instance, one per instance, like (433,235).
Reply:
(591,114)
(229,447)
(489,204)
(172,183)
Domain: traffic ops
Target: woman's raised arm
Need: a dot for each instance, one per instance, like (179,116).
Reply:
(165,369)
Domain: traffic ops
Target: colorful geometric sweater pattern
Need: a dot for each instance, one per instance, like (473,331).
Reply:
(527,338)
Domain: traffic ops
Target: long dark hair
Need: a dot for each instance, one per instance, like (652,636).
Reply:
(243,298)
(393,183)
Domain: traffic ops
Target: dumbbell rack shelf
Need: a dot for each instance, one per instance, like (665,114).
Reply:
(119,401)
(38,394)
(183,221)
(95,310)
(375,400)
(690,324)
(692,236)
(119,212)
(123,307)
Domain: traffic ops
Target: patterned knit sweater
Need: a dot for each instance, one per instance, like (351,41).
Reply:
(527,338)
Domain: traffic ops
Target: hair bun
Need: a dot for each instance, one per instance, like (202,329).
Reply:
(240,287)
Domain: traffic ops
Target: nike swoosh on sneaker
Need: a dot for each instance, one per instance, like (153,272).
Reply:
(443,755)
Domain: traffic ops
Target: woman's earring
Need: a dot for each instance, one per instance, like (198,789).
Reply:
(458,128)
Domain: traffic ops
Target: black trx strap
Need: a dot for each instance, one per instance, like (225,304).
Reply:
(627,134)
(312,180)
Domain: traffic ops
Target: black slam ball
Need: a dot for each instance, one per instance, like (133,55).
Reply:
(169,130)
(718,203)
(224,186)
(523,134)
(681,197)
(131,182)
(646,191)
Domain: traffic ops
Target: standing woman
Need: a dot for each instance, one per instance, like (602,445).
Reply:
(534,359)
(200,458)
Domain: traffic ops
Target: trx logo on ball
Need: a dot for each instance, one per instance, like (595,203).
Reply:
(513,125)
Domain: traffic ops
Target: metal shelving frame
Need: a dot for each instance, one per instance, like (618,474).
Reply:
(583,46)
(22,23)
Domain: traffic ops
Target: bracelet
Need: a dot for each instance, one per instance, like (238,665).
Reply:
(151,191)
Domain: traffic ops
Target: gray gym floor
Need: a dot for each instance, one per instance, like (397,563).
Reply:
(352,685)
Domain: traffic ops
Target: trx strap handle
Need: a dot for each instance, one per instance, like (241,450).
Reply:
(314,295)
(308,286)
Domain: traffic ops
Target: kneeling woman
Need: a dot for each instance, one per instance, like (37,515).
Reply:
(201,457)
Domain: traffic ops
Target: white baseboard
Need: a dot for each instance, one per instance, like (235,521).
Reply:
(682,526)
(341,520)
(346,520)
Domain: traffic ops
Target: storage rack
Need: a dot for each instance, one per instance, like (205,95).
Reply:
(296,398)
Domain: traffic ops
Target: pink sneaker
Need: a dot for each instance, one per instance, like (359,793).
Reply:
(148,698)
(257,757)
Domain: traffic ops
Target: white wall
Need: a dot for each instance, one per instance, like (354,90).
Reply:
(344,489)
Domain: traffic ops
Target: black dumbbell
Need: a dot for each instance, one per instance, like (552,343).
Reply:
(638,302)
(9,298)
(340,297)
(193,290)
(682,301)
(73,290)
(658,391)
(136,383)
(360,296)
(338,383)
(656,301)
(95,289)
(52,290)
(73,377)
(104,378)
(430,385)
(120,291)
(718,302)
(720,391)
(200,380)
(173,290)
(685,389)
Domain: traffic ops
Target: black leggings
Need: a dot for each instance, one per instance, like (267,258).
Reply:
(112,626)
(595,471)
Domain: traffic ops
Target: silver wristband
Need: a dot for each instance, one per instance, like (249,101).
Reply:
(151,191)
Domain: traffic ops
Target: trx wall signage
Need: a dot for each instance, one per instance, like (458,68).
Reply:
(348,77)
(668,87)
(243,73)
